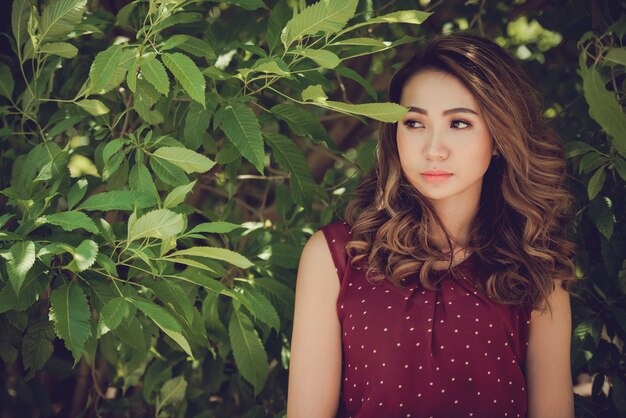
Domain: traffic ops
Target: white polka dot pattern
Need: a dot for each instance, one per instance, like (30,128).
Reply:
(414,352)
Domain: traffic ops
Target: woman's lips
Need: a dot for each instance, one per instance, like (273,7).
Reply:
(436,176)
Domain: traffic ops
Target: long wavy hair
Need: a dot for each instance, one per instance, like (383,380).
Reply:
(519,233)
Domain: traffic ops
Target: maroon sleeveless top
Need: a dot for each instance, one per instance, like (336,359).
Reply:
(416,353)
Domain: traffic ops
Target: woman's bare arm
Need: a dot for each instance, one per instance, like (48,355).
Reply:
(315,364)
(548,369)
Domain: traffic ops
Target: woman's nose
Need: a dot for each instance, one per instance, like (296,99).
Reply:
(435,148)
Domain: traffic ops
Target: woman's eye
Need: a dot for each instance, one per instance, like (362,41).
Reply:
(413,124)
(460,124)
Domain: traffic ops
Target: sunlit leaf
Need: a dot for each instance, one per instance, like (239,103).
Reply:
(62,49)
(186,159)
(323,58)
(187,74)
(59,18)
(159,223)
(326,16)
(177,196)
(217,254)
(71,220)
(414,17)
(20,259)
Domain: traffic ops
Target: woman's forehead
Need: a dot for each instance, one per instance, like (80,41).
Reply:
(438,90)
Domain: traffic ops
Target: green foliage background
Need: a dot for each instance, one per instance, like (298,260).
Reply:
(163,163)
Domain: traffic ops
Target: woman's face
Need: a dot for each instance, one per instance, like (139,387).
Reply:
(443,142)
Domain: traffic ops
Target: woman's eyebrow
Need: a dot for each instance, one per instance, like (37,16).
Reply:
(419,110)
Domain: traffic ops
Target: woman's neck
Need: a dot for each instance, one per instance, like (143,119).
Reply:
(457,221)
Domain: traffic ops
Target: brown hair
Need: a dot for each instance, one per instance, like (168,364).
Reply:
(518,233)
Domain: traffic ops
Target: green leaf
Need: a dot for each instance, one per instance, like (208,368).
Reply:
(20,15)
(62,49)
(303,123)
(70,313)
(616,56)
(168,172)
(219,227)
(217,254)
(208,283)
(248,351)
(314,93)
(326,16)
(133,334)
(172,392)
(10,339)
(108,264)
(6,82)
(285,255)
(602,217)
(76,193)
(21,259)
(71,220)
(111,148)
(165,321)
(172,20)
(197,122)
(94,107)
(280,294)
(115,200)
(575,148)
(591,161)
(186,159)
(109,68)
(216,73)
(263,309)
(272,65)
(194,46)
(279,16)
(84,256)
(177,196)
(37,344)
(353,75)
(414,17)
(34,284)
(188,74)
(289,157)
(323,58)
(596,182)
(159,223)
(384,112)
(604,107)
(241,126)
(620,167)
(154,72)
(173,296)
(5,218)
(140,181)
(362,42)
(112,315)
(59,18)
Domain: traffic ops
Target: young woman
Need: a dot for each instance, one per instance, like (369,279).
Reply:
(444,292)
